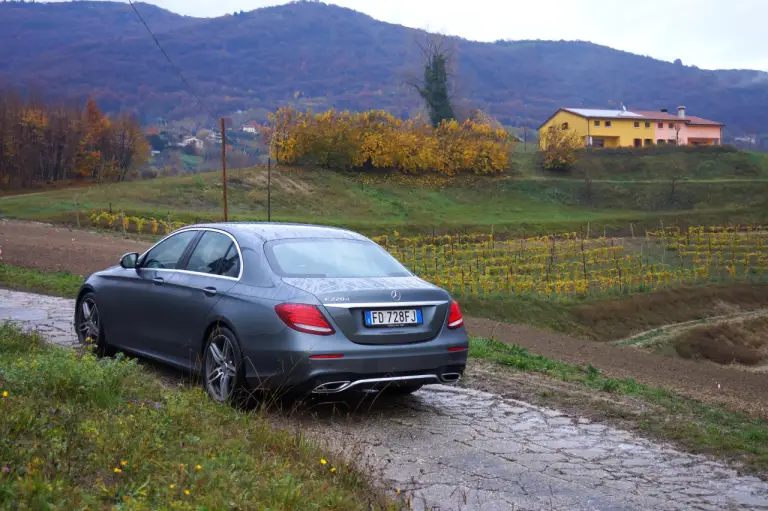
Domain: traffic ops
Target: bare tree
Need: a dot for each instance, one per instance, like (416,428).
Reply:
(678,127)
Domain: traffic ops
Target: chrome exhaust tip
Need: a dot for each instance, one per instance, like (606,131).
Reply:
(331,387)
(334,387)
(450,377)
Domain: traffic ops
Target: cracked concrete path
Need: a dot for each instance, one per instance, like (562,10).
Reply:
(450,448)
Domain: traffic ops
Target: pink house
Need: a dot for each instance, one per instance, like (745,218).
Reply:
(682,129)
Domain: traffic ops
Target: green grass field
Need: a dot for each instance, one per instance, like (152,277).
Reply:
(87,433)
(622,191)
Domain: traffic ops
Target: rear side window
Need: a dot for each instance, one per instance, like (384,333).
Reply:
(213,255)
(333,258)
(230,266)
(167,254)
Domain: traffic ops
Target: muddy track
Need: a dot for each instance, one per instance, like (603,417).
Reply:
(54,248)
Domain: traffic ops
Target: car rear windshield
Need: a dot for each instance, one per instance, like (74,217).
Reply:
(333,258)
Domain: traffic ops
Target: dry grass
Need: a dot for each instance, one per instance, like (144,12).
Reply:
(737,342)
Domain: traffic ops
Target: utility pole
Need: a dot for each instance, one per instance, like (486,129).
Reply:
(269,189)
(224,166)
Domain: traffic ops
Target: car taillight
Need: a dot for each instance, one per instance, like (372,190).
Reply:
(304,318)
(455,319)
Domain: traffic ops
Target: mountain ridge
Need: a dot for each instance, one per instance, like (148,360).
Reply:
(337,57)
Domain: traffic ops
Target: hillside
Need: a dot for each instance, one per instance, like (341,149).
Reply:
(335,57)
(377,203)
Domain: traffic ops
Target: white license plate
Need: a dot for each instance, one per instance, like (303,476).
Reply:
(393,317)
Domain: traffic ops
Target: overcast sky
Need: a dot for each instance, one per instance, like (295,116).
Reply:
(707,33)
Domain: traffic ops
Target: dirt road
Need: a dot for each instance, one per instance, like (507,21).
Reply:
(51,248)
(451,448)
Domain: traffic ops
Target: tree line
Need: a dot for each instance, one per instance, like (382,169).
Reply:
(378,140)
(44,141)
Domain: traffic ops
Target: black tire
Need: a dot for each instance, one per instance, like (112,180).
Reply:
(89,327)
(403,390)
(222,367)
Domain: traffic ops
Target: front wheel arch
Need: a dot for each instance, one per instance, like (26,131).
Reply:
(84,290)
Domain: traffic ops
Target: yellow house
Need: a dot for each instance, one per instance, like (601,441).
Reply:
(637,128)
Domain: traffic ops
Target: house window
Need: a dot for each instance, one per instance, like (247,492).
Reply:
(607,124)
(638,142)
(661,141)
(637,124)
(661,125)
(598,142)
(597,124)
(647,124)
(565,125)
(671,141)
(648,142)
(671,126)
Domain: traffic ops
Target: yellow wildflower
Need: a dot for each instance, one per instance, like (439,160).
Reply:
(5,393)
(323,462)
(171,486)
(333,469)
(123,463)
(198,468)
(186,492)
(117,470)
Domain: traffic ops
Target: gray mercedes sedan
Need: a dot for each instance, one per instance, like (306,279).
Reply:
(294,308)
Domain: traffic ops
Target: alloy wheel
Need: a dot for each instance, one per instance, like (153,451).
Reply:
(220,369)
(89,327)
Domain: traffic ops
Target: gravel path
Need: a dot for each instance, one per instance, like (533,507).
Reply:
(452,448)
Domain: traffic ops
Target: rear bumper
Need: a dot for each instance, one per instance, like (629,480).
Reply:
(435,361)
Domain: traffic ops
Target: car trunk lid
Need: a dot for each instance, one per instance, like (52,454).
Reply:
(347,299)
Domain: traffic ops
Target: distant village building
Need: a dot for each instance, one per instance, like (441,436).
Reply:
(633,128)
(746,139)
(250,127)
(193,141)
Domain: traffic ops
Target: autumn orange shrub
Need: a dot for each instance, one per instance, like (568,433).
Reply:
(378,140)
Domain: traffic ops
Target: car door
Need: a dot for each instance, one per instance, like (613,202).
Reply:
(147,297)
(211,270)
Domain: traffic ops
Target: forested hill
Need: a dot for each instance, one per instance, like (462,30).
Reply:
(332,56)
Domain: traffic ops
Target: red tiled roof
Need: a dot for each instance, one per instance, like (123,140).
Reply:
(666,116)
(698,121)
(637,115)
(656,115)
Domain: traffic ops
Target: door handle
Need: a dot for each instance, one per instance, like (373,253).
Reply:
(209,291)
(158,280)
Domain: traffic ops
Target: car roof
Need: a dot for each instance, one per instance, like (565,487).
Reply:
(280,231)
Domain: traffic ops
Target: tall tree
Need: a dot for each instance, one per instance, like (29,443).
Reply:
(434,86)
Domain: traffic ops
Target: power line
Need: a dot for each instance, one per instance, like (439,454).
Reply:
(175,68)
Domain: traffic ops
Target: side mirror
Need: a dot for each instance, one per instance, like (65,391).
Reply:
(129,260)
